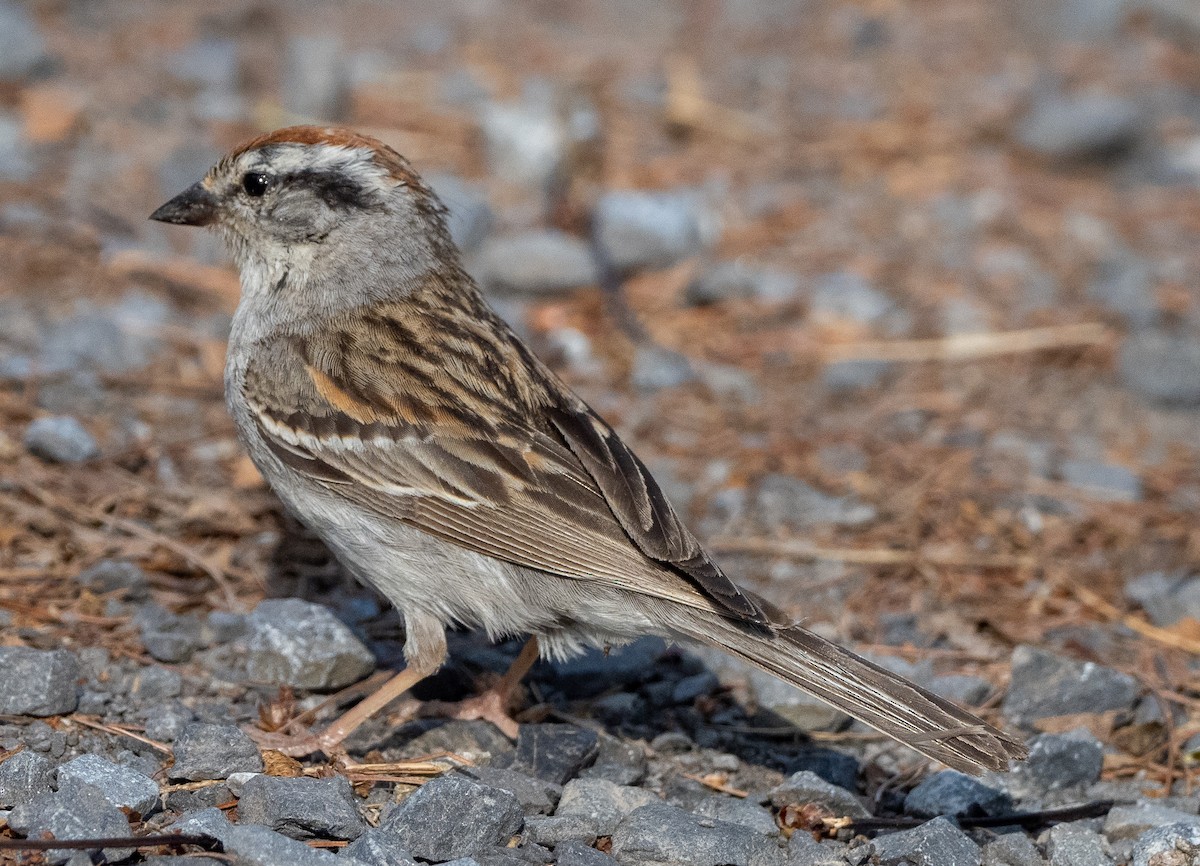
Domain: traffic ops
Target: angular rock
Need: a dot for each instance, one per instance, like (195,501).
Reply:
(79,814)
(1162,366)
(1046,684)
(555,753)
(803,850)
(954,795)
(1058,761)
(22,48)
(617,761)
(662,833)
(1172,845)
(468,214)
(744,813)
(1080,128)
(168,637)
(937,841)
(377,847)
(207,751)
(1012,849)
(807,787)
(125,788)
(1077,845)
(295,643)
(24,777)
(578,854)
(38,682)
(601,803)
(156,684)
(60,439)
(252,844)
(536,796)
(453,817)
(1130,822)
(737,280)
(554,830)
(651,229)
(109,575)
(302,808)
(543,262)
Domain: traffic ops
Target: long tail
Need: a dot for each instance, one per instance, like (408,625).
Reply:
(889,703)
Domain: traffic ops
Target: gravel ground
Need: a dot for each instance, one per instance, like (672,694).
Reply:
(909,330)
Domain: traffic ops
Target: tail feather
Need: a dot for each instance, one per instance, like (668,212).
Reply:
(877,697)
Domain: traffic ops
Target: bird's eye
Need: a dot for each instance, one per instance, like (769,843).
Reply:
(255,183)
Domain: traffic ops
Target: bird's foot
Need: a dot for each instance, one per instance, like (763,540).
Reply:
(491,706)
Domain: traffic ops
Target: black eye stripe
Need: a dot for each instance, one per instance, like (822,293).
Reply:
(256,183)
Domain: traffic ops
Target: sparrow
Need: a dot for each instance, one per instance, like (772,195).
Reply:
(406,424)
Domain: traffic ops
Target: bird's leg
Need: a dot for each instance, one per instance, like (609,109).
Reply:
(425,650)
(492,705)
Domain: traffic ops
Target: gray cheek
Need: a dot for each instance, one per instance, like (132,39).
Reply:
(297,220)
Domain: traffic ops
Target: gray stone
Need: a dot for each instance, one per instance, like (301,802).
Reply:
(578,854)
(1045,684)
(524,143)
(955,794)
(168,637)
(1077,845)
(1012,849)
(377,847)
(961,688)
(1166,597)
(79,814)
(110,575)
(1081,128)
(601,803)
(934,843)
(1058,761)
(743,812)
(651,229)
(22,48)
(125,788)
(452,817)
(24,777)
(1172,845)
(166,721)
(155,684)
(296,643)
(804,850)
(1162,366)
(617,761)
(840,377)
(655,367)
(783,501)
(1106,481)
(1130,822)
(60,439)
(1124,283)
(738,281)
(553,830)
(38,682)
(302,808)
(475,739)
(208,751)
(468,214)
(315,77)
(536,796)
(253,844)
(16,163)
(794,706)
(1179,20)
(695,686)
(542,262)
(807,787)
(662,833)
(846,296)
(555,753)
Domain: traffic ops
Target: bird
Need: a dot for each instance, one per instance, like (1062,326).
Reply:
(406,424)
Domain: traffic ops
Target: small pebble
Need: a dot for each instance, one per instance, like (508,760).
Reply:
(60,439)
(453,817)
(38,682)
(302,808)
(121,786)
(207,751)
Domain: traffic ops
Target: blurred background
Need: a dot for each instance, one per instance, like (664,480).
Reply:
(909,326)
